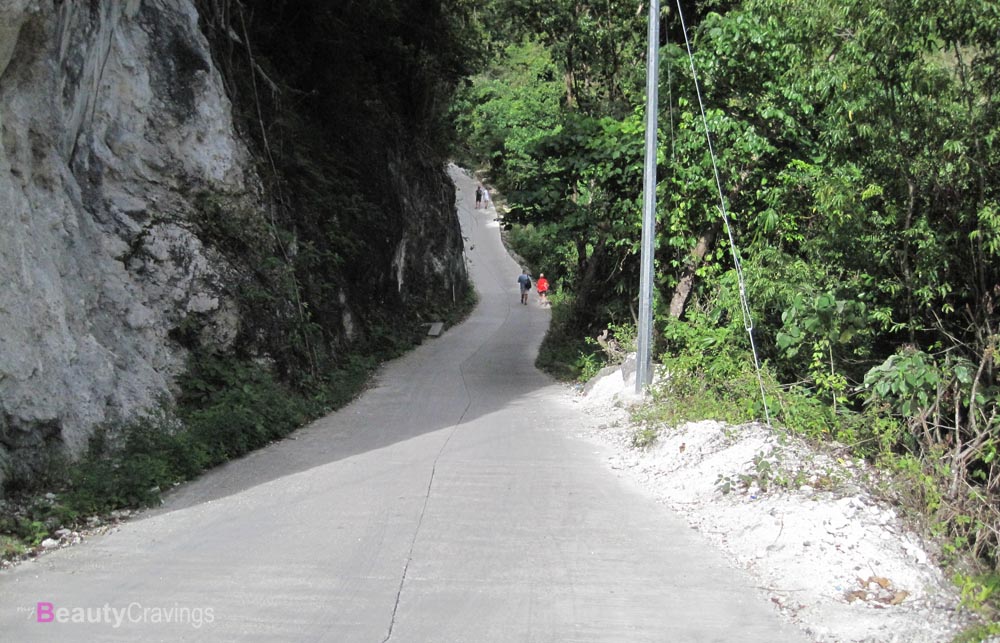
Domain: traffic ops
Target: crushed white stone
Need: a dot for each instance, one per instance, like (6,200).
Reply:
(825,551)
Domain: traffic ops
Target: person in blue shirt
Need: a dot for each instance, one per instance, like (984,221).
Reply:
(524,281)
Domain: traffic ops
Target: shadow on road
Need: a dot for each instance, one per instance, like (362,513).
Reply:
(480,367)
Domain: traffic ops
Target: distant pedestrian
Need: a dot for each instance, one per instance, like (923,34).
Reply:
(479,196)
(542,286)
(524,281)
(486,199)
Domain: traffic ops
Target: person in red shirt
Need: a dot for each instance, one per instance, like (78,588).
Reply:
(542,285)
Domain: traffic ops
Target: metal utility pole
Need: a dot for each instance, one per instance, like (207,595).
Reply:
(644,359)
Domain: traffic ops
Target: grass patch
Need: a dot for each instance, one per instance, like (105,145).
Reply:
(228,408)
(688,393)
(563,354)
(30,522)
(567,360)
(979,633)
(11,548)
(645,437)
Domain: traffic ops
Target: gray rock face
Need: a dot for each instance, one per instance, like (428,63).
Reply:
(111,116)
(430,246)
(117,150)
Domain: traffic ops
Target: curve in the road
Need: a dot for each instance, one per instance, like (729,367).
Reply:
(453,501)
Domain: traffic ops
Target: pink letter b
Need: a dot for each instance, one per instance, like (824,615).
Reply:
(45,613)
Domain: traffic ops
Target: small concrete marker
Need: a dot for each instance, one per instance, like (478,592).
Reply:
(435,329)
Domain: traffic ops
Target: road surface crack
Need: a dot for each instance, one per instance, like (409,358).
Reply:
(423,510)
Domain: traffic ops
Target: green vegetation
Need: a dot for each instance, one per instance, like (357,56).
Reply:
(859,155)
(226,410)
(857,144)
(10,548)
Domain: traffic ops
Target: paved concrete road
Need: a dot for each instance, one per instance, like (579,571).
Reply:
(450,503)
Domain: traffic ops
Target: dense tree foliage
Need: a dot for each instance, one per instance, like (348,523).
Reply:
(858,152)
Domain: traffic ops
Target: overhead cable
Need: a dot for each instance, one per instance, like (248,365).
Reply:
(737,263)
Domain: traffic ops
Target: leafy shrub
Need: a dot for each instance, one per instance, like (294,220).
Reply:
(563,354)
(978,593)
(126,466)
(233,407)
(228,408)
(708,374)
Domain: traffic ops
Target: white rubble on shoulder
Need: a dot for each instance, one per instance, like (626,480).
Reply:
(829,554)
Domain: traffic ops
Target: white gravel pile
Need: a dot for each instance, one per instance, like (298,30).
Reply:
(832,558)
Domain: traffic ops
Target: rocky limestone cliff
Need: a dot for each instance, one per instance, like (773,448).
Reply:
(113,119)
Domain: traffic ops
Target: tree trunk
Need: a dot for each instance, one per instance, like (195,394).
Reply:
(682,292)
(588,285)
(911,205)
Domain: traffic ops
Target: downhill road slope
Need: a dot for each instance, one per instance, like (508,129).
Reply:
(451,502)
